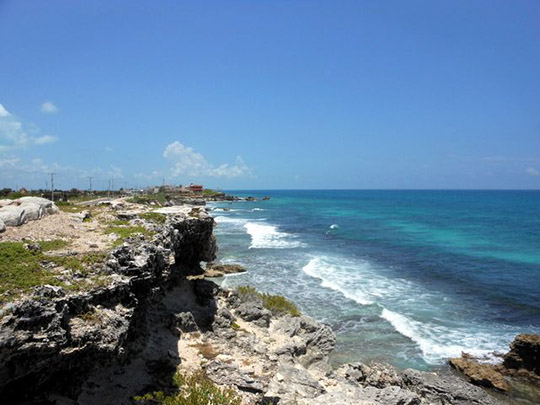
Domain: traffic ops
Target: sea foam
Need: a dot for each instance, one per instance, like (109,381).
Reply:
(267,236)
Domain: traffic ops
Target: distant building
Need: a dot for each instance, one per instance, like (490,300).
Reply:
(196,188)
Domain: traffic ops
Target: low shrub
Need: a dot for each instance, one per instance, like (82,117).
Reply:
(195,389)
(154,217)
(277,304)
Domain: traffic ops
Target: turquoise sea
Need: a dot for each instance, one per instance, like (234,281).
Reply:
(407,277)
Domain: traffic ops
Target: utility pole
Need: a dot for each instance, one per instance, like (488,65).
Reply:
(90,179)
(52,185)
(109,190)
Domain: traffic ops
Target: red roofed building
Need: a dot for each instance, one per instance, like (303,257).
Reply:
(196,188)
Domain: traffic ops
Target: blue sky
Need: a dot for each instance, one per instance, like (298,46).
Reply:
(271,94)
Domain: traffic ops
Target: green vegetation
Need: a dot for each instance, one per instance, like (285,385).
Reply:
(22,269)
(277,304)
(195,389)
(125,232)
(91,317)
(148,198)
(235,326)
(48,245)
(119,222)
(154,216)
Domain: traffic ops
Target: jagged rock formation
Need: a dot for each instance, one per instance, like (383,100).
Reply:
(130,336)
(52,340)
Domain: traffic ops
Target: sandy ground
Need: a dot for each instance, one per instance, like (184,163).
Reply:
(84,236)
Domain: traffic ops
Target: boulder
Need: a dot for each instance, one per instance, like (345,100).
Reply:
(13,215)
(2,226)
(524,354)
(48,207)
(229,374)
(33,211)
(254,312)
(292,383)
(5,203)
(444,389)
(484,375)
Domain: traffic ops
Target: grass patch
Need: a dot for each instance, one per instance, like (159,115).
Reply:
(154,217)
(119,222)
(276,304)
(91,317)
(235,326)
(125,232)
(148,198)
(48,245)
(22,269)
(195,389)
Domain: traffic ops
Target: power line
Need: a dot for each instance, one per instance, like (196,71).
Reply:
(52,185)
(90,179)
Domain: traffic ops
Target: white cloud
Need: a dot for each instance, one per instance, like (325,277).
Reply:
(532,171)
(9,161)
(48,107)
(3,112)
(15,135)
(188,162)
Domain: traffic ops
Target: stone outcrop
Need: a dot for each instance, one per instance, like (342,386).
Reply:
(52,341)
(2,226)
(18,212)
(485,375)
(524,355)
(220,270)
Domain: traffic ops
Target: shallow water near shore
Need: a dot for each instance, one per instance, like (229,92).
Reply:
(406,277)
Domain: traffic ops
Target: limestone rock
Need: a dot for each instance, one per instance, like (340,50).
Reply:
(47,206)
(219,270)
(484,375)
(253,311)
(32,210)
(2,226)
(444,389)
(228,374)
(524,354)
(290,383)
(13,215)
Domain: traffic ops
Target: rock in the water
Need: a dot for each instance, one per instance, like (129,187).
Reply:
(219,270)
(524,354)
(484,375)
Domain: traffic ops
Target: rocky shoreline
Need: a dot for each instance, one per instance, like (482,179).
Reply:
(155,317)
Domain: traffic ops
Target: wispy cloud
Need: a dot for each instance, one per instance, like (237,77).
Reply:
(15,135)
(48,107)
(188,162)
(532,171)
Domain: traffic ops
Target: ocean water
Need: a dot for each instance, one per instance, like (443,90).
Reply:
(406,277)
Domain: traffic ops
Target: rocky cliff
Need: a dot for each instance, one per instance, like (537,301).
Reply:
(132,334)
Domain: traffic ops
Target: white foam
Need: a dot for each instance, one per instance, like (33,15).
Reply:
(267,236)
(257,209)
(229,220)
(438,342)
(334,226)
(321,269)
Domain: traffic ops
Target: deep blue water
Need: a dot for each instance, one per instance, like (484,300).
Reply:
(408,277)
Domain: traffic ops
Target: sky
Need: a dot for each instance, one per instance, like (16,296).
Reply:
(271,94)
